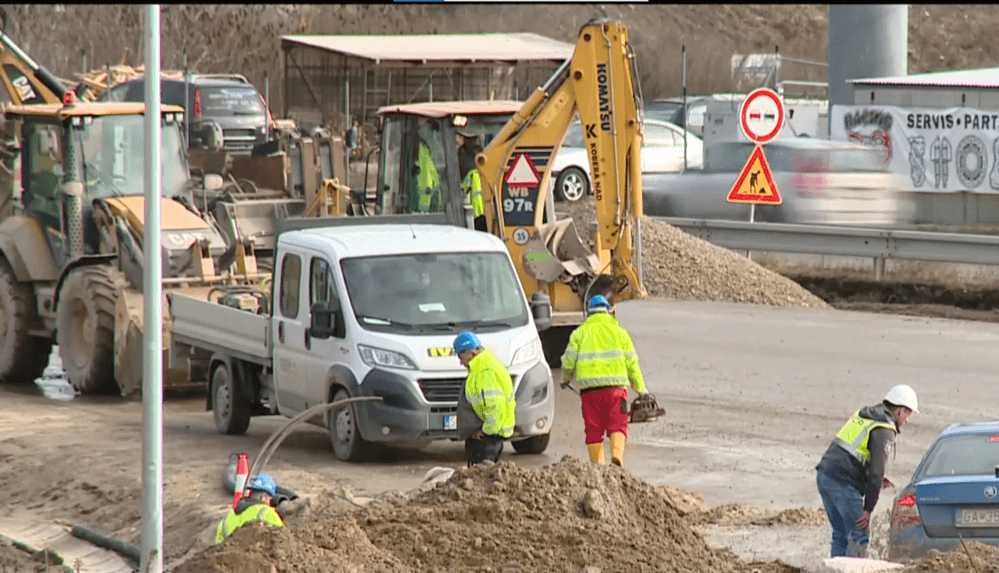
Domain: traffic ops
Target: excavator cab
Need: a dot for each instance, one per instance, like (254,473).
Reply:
(427,150)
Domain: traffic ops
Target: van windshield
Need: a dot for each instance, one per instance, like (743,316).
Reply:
(435,292)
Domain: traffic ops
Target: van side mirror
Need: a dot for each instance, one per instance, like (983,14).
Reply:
(541,310)
(325,316)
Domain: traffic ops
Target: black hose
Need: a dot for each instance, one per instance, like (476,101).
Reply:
(107,542)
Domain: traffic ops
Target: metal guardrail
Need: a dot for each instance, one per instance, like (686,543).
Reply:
(879,244)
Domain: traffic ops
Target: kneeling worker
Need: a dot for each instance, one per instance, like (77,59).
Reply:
(258,506)
(489,391)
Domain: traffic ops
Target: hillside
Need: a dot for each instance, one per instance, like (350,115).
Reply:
(246,38)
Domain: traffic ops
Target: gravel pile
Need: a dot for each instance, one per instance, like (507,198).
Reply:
(680,266)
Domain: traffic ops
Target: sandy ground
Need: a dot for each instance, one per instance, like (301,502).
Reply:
(752,394)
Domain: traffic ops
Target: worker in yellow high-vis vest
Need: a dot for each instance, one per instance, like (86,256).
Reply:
(472,185)
(851,473)
(489,391)
(258,506)
(428,180)
(601,359)
(471,182)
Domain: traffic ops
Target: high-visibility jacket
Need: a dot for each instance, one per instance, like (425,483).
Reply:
(600,353)
(852,437)
(247,510)
(428,179)
(489,390)
(473,186)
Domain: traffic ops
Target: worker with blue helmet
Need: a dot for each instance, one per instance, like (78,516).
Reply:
(257,506)
(489,391)
(601,359)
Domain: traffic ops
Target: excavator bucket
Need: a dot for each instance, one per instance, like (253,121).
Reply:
(128,343)
(556,253)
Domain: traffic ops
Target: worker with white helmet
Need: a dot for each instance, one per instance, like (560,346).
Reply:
(851,474)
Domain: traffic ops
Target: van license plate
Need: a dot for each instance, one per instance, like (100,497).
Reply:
(451,422)
(977,518)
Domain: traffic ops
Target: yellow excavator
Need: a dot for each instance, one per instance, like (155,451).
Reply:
(425,150)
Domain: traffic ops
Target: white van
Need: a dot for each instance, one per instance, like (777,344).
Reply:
(362,309)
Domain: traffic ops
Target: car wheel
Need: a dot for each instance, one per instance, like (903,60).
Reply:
(572,185)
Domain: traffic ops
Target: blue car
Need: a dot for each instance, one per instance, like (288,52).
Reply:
(952,495)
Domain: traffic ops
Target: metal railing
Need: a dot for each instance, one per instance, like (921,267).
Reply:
(878,244)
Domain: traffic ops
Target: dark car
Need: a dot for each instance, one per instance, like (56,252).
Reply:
(221,105)
(951,496)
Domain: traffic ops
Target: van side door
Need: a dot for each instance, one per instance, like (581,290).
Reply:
(324,352)
(289,330)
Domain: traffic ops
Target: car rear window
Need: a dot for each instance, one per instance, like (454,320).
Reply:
(230,101)
(976,454)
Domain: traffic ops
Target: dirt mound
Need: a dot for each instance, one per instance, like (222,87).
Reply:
(564,517)
(680,266)
(985,559)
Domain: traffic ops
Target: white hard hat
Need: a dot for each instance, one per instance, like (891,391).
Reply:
(903,395)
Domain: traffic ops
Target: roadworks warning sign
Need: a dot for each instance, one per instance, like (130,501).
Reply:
(755,183)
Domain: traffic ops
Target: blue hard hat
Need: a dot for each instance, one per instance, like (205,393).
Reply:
(466,341)
(599,302)
(263,483)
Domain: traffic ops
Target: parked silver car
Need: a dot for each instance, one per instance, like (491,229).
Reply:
(662,152)
(819,181)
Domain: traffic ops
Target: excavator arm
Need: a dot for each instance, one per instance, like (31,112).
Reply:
(599,83)
(26,81)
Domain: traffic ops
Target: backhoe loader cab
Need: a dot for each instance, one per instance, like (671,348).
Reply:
(428,148)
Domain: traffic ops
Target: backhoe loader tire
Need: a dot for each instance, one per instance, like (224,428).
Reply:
(553,343)
(230,408)
(23,357)
(85,323)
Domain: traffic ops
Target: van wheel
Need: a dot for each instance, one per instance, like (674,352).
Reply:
(348,445)
(230,407)
(532,445)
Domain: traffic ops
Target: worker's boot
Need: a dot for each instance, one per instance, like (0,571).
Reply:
(596,453)
(617,440)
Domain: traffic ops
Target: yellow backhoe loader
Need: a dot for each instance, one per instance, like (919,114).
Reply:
(425,155)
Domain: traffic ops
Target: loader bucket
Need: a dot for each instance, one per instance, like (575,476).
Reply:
(128,345)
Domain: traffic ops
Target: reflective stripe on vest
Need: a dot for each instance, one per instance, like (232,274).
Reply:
(853,436)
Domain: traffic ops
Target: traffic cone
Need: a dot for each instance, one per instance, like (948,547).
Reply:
(242,474)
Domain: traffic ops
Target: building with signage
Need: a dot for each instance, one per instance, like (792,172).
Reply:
(941,132)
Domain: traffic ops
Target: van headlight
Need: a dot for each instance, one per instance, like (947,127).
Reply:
(379,357)
(527,353)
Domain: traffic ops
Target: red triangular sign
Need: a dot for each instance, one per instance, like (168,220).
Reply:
(755,183)
(522,173)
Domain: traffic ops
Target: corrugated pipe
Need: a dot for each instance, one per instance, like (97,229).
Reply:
(107,542)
